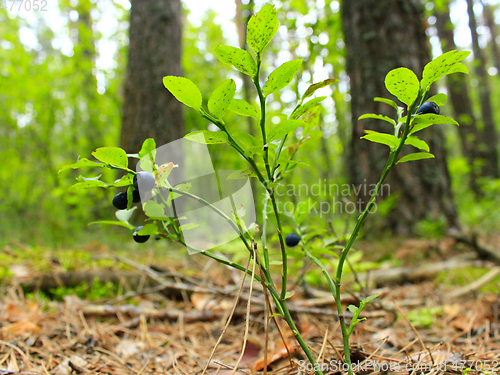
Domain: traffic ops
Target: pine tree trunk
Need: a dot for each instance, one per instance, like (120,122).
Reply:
(490,139)
(149,110)
(458,92)
(380,36)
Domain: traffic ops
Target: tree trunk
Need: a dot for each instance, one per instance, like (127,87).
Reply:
(149,110)
(490,23)
(490,160)
(458,91)
(380,36)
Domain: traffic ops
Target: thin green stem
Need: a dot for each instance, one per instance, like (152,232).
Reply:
(391,162)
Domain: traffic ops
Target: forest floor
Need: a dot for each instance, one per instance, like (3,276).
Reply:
(114,315)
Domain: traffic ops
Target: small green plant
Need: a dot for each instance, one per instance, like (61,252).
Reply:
(269,163)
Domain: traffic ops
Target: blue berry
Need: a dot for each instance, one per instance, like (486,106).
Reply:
(292,239)
(138,238)
(120,201)
(428,107)
(144,181)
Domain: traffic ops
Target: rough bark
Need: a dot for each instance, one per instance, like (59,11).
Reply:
(490,139)
(458,92)
(149,110)
(380,36)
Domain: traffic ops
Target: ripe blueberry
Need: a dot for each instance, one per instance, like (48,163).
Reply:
(145,181)
(120,200)
(136,197)
(292,239)
(428,107)
(138,238)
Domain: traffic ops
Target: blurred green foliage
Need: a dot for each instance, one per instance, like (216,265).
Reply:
(59,101)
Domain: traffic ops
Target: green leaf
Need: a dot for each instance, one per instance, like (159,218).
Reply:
(371,298)
(125,215)
(184,91)
(304,108)
(237,57)
(111,155)
(316,86)
(420,122)
(383,138)
(238,175)
(281,76)
(262,28)
(248,141)
(148,146)
(288,295)
(154,210)
(221,98)
(417,142)
(353,308)
(130,197)
(387,101)
(243,108)
(403,84)
(207,137)
(126,180)
(148,229)
(82,163)
(283,128)
(89,184)
(378,117)
(415,156)
(447,63)
(439,99)
(110,222)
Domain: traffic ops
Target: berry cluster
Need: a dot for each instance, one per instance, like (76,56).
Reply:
(143,182)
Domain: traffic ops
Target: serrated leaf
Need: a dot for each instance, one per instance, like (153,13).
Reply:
(84,162)
(110,222)
(237,57)
(262,28)
(184,91)
(243,108)
(415,156)
(378,117)
(386,101)
(281,76)
(420,122)
(439,99)
(148,230)
(417,142)
(403,84)
(125,215)
(111,155)
(207,137)
(316,86)
(221,98)
(383,138)
(283,128)
(304,108)
(442,65)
